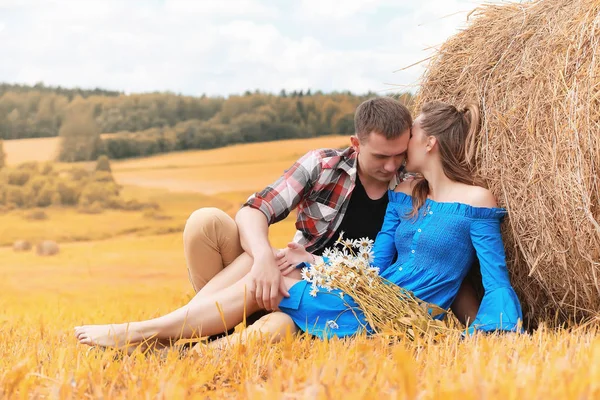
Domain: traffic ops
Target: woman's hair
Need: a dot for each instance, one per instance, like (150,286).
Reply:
(455,131)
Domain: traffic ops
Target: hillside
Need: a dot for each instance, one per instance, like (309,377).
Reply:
(153,123)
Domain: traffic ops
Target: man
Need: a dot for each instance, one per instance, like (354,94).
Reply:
(333,190)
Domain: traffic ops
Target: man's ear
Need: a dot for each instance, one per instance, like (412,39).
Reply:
(355,142)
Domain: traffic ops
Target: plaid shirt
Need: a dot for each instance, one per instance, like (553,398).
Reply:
(319,184)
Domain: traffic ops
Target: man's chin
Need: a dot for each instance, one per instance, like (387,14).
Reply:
(385,177)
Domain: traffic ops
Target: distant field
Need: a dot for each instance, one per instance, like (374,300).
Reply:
(23,150)
(36,149)
(179,182)
(244,168)
(46,149)
(68,225)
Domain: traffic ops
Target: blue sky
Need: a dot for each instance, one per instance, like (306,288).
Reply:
(221,47)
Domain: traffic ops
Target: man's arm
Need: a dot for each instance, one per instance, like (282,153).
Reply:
(267,280)
(271,205)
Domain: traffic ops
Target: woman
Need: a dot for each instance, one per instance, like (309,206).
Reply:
(436,226)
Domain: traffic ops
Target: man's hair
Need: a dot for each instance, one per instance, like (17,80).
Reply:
(382,115)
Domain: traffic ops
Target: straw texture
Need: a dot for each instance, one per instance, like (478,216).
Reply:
(534,69)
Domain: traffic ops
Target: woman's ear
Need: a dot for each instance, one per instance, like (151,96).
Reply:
(431,142)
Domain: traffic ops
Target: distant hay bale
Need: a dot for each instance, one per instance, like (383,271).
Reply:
(154,214)
(534,68)
(47,248)
(21,245)
(94,208)
(36,215)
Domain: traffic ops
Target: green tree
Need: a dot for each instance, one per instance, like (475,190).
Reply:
(80,134)
(345,125)
(103,164)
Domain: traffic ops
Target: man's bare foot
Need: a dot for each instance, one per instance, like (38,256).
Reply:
(117,335)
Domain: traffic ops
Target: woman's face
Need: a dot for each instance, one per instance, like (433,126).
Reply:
(417,147)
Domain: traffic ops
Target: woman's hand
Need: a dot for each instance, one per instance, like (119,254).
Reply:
(292,255)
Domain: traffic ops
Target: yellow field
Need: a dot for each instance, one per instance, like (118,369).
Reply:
(138,271)
(39,149)
(241,168)
(23,150)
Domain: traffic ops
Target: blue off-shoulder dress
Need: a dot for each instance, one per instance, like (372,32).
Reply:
(435,251)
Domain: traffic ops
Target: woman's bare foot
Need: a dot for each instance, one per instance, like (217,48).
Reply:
(115,335)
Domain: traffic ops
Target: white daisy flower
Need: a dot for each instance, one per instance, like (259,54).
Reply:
(314,291)
(364,243)
(366,255)
(373,270)
(320,280)
(349,242)
(305,273)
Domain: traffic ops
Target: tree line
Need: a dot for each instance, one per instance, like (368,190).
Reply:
(145,124)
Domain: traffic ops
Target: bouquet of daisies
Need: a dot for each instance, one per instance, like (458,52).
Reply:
(388,308)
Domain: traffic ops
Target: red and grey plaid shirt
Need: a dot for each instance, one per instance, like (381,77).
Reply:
(319,184)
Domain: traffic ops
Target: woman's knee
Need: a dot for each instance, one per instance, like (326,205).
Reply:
(275,323)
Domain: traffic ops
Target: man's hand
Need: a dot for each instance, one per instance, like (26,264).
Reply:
(292,255)
(267,281)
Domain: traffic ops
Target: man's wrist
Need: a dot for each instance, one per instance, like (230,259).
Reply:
(263,252)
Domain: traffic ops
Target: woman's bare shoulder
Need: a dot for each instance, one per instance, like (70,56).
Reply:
(406,186)
(478,196)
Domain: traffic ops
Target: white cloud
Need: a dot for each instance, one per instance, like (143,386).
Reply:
(246,8)
(336,10)
(222,47)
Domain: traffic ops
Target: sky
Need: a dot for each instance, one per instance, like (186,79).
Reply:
(222,47)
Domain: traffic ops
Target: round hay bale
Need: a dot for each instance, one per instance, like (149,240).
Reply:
(534,69)
(47,248)
(36,215)
(21,245)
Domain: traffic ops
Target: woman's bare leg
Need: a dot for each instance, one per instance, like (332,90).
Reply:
(202,316)
(270,328)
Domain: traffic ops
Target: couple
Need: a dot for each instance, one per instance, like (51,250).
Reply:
(429,232)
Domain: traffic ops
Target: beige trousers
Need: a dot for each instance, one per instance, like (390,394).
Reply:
(211,243)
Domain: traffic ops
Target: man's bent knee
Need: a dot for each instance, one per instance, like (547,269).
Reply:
(204,216)
(207,221)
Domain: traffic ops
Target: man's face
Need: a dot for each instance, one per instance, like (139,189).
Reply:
(380,158)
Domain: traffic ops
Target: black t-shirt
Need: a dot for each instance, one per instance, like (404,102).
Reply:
(363,217)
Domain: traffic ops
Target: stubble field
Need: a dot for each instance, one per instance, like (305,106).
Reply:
(118,266)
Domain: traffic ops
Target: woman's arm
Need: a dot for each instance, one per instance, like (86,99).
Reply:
(500,308)
(384,249)
(293,255)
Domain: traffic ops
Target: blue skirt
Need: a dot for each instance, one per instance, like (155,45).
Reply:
(325,315)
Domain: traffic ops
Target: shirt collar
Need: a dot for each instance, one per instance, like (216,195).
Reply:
(348,162)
